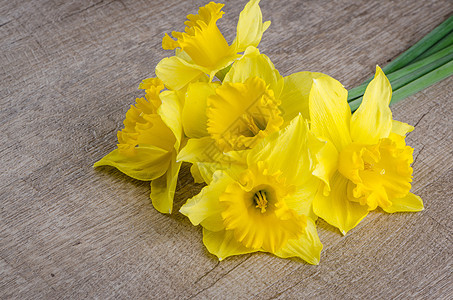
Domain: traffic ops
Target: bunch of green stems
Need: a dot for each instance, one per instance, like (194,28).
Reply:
(427,62)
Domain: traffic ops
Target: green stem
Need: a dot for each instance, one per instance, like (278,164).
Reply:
(437,39)
(415,86)
(421,46)
(423,82)
(406,79)
(409,73)
(442,44)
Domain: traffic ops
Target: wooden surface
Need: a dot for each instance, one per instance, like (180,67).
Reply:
(70,70)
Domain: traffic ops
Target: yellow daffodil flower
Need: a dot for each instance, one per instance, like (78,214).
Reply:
(149,143)
(366,158)
(202,49)
(267,204)
(253,101)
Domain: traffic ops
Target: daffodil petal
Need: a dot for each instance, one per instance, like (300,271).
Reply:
(200,150)
(401,128)
(327,163)
(205,153)
(196,174)
(143,163)
(294,97)
(250,26)
(163,188)
(373,119)
(251,64)
(205,208)
(207,170)
(302,200)
(280,150)
(410,203)
(330,114)
(233,168)
(184,56)
(170,112)
(176,73)
(308,246)
(336,209)
(223,244)
(194,119)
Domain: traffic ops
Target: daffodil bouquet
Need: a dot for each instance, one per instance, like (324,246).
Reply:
(275,152)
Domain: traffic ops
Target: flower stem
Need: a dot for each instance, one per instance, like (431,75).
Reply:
(421,46)
(402,80)
(423,82)
(442,44)
(415,86)
(435,41)
(407,74)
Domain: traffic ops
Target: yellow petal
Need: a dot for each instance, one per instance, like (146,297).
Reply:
(184,56)
(401,128)
(251,64)
(286,151)
(250,26)
(302,199)
(196,173)
(373,119)
(205,208)
(207,170)
(233,168)
(170,112)
(308,246)
(200,150)
(294,97)
(176,73)
(205,153)
(327,163)
(144,163)
(223,244)
(163,188)
(336,209)
(409,203)
(194,119)
(330,114)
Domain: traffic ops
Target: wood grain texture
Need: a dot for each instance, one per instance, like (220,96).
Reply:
(70,70)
